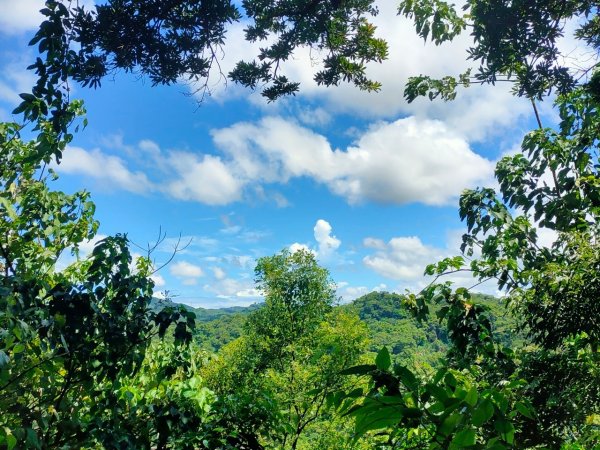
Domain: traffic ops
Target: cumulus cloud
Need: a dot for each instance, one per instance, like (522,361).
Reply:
(187,272)
(86,247)
(109,171)
(327,243)
(406,161)
(348,293)
(370,242)
(19,16)
(404,259)
(233,288)
(158,279)
(206,179)
(409,160)
(297,247)
(16,79)
(202,178)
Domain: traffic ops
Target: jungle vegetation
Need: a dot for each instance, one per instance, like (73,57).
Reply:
(87,362)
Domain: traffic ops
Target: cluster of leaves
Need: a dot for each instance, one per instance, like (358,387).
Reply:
(513,40)
(338,29)
(450,410)
(175,40)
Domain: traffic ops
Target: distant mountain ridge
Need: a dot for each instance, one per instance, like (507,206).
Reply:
(204,314)
(388,322)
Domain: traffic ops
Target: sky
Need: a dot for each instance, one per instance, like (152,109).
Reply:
(366,181)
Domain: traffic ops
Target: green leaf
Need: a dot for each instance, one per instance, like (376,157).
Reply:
(9,208)
(524,410)
(19,109)
(506,429)
(383,418)
(407,377)
(483,413)
(358,392)
(4,359)
(500,400)
(464,438)
(11,441)
(383,361)
(472,395)
(450,424)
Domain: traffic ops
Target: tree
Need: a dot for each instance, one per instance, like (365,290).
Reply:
(292,352)
(175,40)
(67,337)
(551,385)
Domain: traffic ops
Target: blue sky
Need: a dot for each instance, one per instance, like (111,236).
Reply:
(366,181)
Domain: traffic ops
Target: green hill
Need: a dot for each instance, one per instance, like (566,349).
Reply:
(389,324)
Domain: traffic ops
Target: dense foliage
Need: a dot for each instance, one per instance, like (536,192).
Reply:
(544,394)
(290,353)
(68,337)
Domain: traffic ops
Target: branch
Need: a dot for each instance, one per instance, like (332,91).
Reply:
(35,366)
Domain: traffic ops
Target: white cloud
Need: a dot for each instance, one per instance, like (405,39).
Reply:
(296,247)
(205,179)
(249,293)
(546,237)
(19,16)
(327,243)
(370,242)
(187,272)
(160,294)
(405,161)
(233,288)
(218,273)
(86,247)
(349,293)
(314,116)
(232,229)
(16,79)
(110,172)
(409,160)
(403,258)
(158,279)
(241,261)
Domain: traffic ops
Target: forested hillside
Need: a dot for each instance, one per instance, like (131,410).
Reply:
(388,323)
